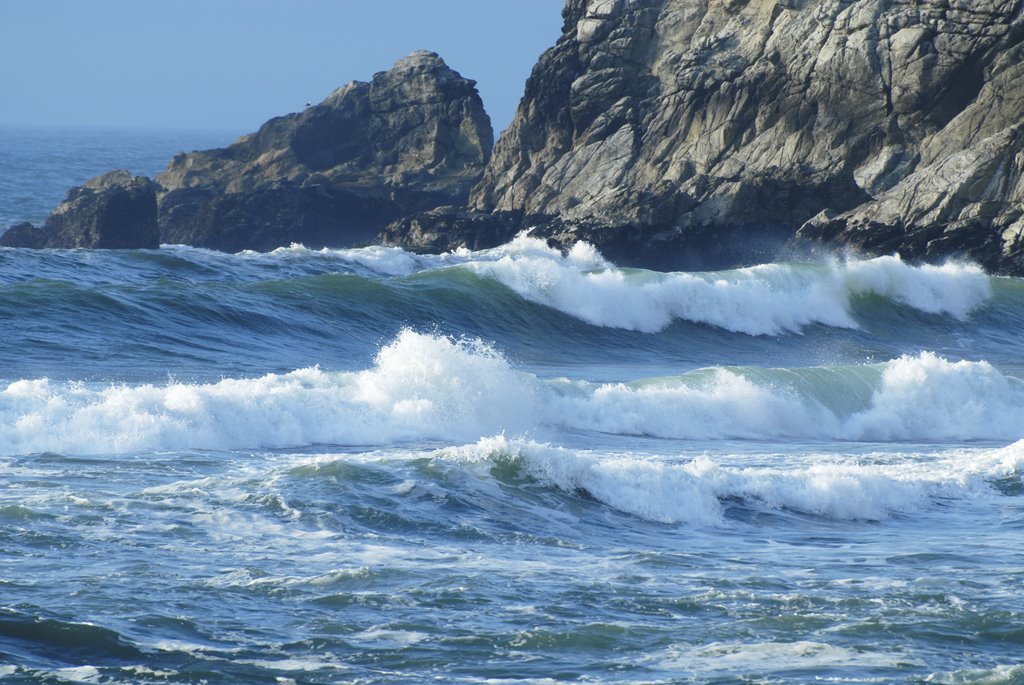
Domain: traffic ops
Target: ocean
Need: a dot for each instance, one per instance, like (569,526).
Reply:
(505,466)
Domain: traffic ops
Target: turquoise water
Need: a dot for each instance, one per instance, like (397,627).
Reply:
(334,466)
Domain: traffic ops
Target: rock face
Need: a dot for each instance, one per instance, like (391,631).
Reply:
(414,138)
(969,203)
(115,210)
(697,129)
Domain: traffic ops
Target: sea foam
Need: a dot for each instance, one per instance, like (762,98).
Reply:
(430,387)
(768,299)
(915,397)
(696,491)
(762,300)
(421,387)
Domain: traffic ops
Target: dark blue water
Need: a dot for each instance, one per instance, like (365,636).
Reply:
(506,466)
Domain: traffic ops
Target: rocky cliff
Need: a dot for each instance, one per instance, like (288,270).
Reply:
(705,132)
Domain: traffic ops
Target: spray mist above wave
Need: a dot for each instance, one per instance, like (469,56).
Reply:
(369,261)
(427,387)
(694,492)
(374,259)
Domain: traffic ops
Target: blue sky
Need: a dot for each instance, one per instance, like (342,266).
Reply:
(233,64)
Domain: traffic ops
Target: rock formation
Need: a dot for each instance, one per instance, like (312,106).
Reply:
(115,210)
(706,132)
(414,138)
(669,133)
(444,228)
(24,235)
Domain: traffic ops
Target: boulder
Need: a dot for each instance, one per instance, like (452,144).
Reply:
(23,235)
(444,229)
(113,211)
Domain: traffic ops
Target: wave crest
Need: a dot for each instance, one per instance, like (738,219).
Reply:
(697,491)
(768,299)
(421,387)
(428,387)
(761,300)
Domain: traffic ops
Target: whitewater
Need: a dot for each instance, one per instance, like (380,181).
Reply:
(500,466)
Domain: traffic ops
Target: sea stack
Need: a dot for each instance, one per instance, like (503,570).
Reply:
(413,138)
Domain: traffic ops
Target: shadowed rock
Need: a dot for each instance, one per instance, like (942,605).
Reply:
(445,228)
(115,210)
(414,138)
(24,235)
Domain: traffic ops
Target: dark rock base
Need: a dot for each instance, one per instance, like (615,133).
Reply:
(448,228)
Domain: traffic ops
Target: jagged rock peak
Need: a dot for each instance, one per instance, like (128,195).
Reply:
(422,66)
(420,60)
(421,120)
(413,138)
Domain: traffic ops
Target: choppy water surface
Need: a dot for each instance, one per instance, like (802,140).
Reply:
(327,466)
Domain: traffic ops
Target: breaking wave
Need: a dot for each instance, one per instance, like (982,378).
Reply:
(698,491)
(762,300)
(431,387)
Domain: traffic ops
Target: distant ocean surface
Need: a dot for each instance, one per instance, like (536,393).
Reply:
(507,466)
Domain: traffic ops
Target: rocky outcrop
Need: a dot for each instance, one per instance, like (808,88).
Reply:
(696,128)
(413,138)
(969,203)
(669,133)
(115,210)
(24,235)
